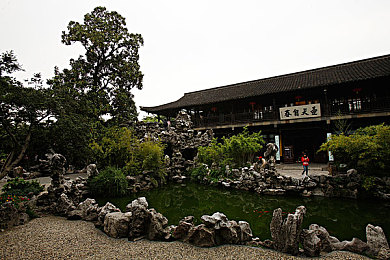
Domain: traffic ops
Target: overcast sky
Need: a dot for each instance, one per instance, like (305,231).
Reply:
(194,45)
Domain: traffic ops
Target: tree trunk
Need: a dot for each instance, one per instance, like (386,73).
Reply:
(10,164)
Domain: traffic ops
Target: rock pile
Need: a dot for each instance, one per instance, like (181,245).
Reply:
(138,222)
(181,142)
(270,182)
(12,216)
(287,234)
(63,195)
(215,230)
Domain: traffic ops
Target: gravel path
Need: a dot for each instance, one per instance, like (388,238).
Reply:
(57,238)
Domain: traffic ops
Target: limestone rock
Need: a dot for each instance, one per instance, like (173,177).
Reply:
(201,236)
(75,215)
(216,220)
(89,208)
(103,211)
(246,231)
(323,235)
(286,232)
(57,163)
(92,170)
(138,223)
(23,218)
(274,192)
(8,215)
(181,231)
(116,224)
(356,246)
(311,243)
(157,226)
(140,202)
(338,246)
(383,253)
(376,240)
(228,233)
(64,204)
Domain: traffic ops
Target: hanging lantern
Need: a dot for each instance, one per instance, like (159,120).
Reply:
(213,109)
(252,104)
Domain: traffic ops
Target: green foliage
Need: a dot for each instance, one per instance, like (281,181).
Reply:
(12,200)
(95,92)
(154,119)
(108,71)
(202,171)
(150,119)
(216,174)
(151,154)
(199,172)
(115,147)
(235,151)
(109,182)
(20,187)
(213,153)
(366,149)
(67,113)
(119,147)
(23,110)
(31,213)
(368,182)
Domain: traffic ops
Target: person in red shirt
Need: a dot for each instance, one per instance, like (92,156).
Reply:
(305,163)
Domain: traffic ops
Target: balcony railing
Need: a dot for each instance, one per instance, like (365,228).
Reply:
(335,108)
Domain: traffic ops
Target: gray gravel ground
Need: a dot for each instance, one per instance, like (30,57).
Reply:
(57,238)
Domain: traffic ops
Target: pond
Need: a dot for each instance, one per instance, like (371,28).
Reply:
(343,218)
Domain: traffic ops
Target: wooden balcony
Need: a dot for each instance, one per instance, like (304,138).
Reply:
(336,109)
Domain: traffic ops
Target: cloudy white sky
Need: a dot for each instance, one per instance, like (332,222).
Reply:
(194,45)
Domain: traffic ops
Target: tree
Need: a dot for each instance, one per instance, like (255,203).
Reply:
(22,110)
(97,84)
(109,70)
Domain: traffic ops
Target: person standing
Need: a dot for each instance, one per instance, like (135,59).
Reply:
(305,163)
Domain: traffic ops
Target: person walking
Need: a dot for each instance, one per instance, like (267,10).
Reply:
(305,163)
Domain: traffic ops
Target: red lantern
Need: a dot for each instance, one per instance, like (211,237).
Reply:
(213,109)
(252,105)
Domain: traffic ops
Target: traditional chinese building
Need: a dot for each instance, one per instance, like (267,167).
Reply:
(297,111)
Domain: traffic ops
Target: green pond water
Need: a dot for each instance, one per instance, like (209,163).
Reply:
(343,218)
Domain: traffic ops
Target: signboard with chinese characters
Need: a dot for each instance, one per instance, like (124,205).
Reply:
(328,136)
(298,112)
(278,145)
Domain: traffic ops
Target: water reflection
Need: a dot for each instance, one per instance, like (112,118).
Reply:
(343,218)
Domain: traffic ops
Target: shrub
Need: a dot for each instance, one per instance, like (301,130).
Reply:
(213,153)
(235,151)
(369,183)
(12,199)
(20,187)
(199,171)
(367,149)
(109,182)
(152,156)
(119,147)
(214,174)
(116,147)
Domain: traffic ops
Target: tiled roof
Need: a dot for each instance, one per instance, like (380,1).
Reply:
(347,72)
